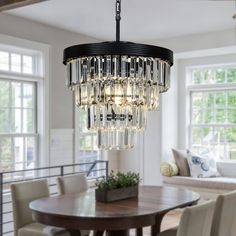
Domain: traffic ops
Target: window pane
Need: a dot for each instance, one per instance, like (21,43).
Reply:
(16,120)
(28,96)
(208,100)
(27,64)
(196,136)
(218,144)
(4,120)
(30,152)
(16,94)
(231,99)
(220,116)
(197,117)
(82,121)
(232,116)
(220,99)
(231,135)
(4,61)
(208,116)
(86,143)
(5,154)
(231,143)
(19,153)
(208,77)
(231,75)
(15,62)
(220,76)
(197,99)
(28,124)
(4,93)
(197,77)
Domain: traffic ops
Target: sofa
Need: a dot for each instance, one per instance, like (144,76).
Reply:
(208,188)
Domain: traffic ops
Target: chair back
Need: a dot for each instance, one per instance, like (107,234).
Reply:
(197,220)
(72,184)
(224,220)
(22,194)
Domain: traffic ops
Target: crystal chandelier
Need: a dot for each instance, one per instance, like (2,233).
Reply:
(117,83)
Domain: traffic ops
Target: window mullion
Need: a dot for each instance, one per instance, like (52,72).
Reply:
(21,108)
(10,109)
(35,111)
(226,108)
(13,154)
(24,155)
(21,63)
(213,106)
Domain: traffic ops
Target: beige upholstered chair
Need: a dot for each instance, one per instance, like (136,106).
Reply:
(73,184)
(195,221)
(224,220)
(22,194)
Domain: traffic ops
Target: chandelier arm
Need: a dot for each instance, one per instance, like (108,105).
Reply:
(118,18)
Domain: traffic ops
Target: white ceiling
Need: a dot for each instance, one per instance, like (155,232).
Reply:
(142,20)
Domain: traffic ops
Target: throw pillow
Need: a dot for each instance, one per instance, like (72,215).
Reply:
(169,169)
(202,166)
(181,160)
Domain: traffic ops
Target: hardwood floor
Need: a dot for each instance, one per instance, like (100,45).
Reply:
(171,220)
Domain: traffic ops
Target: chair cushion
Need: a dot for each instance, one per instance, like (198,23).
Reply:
(36,229)
(169,232)
(221,183)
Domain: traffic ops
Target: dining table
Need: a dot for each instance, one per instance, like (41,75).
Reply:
(81,211)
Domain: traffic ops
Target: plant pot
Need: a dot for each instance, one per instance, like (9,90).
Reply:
(116,194)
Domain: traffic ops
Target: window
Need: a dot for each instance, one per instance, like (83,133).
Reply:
(18,130)
(19,104)
(213,111)
(15,62)
(87,148)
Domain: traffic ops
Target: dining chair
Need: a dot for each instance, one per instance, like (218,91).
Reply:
(195,221)
(73,184)
(224,220)
(24,225)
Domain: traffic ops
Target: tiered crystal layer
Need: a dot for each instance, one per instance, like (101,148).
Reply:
(117,92)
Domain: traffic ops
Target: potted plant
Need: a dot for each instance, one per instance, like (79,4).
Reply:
(117,187)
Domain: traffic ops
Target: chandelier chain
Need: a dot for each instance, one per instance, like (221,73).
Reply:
(118,18)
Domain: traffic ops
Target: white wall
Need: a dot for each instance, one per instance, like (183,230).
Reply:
(195,42)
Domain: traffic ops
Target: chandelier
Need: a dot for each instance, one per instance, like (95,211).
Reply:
(117,83)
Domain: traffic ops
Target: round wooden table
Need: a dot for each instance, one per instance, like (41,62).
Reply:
(76,212)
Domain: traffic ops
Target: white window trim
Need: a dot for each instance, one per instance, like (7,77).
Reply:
(43,88)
